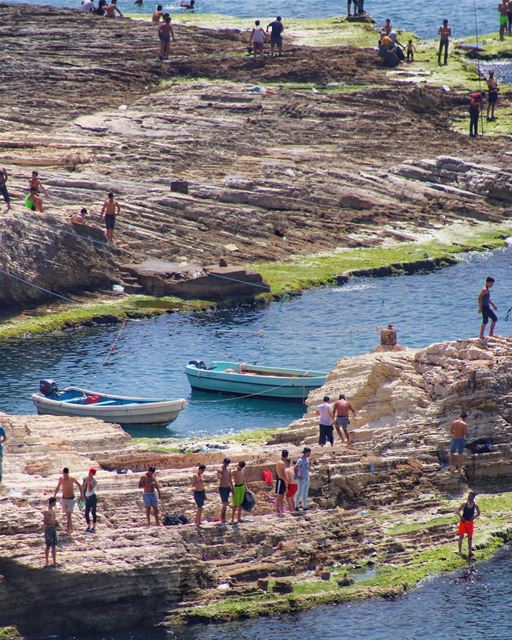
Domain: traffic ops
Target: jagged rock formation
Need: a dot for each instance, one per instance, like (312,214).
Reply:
(128,574)
(52,254)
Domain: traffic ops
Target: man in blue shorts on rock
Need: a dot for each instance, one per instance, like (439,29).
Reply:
(150,486)
(276,36)
(484,306)
(460,433)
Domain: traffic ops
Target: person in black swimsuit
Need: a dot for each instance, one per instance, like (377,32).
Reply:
(484,307)
(468,513)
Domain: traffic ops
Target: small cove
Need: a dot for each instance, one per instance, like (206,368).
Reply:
(312,330)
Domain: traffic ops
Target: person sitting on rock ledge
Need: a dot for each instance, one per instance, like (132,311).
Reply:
(79,218)
(389,340)
(150,487)
(34,202)
(459,432)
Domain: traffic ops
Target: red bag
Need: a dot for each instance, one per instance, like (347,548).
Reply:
(267,477)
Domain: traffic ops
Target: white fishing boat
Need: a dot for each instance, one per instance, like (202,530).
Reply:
(124,410)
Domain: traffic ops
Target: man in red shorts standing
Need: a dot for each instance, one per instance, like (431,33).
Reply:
(468,513)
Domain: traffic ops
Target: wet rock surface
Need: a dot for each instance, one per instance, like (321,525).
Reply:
(130,574)
(274,170)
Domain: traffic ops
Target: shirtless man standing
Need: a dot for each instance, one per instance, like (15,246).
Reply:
(224,476)
(238,479)
(445,33)
(484,307)
(199,492)
(341,410)
(109,211)
(459,431)
(281,482)
(112,9)
(65,485)
(150,486)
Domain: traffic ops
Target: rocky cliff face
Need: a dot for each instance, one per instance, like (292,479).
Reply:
(128,574)
(53,255)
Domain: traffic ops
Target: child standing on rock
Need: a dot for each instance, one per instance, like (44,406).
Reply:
(166,34)
(50,531)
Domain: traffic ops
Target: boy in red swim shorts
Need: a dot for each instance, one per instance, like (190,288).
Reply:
(468,513)
(291,486)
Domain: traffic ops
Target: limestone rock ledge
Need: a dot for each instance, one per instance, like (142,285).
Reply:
(128,575)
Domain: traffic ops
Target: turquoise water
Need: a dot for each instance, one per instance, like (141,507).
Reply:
(418,16)
(310,331)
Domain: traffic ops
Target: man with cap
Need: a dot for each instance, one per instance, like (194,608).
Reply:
(459,432)
(89,485)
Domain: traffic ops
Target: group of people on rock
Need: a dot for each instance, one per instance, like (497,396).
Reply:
(476,103)
(34,201)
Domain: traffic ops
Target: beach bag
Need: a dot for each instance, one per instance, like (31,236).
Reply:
(170,521)
(249,502)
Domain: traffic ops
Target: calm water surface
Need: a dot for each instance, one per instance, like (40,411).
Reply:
(312,331)
(418,16)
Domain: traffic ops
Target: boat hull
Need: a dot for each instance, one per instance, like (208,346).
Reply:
(274,385)
(133,411)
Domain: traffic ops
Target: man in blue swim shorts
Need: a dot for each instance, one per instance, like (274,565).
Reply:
(150,486)
(459,432)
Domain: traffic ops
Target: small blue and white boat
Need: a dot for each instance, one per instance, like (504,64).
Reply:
(253,380)
(124,410)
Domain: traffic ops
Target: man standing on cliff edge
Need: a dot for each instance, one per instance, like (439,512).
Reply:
(484,307)
(460,433)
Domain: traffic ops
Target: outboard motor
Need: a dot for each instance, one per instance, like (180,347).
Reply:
(198,364)
(48,388)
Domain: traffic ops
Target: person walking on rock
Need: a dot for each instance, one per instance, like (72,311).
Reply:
(199,492)
(89,486)
(150,488)
(326,422)
(475,106)
(445,33)
(238,480)
(484,307)
(109,212)
(302,474)
(459,432)
(3,440)
(341,411)
(492,96)
(3,188)
(165,34)
(276,35)
(468,513)
(66,485)
(50,532)
(224,476)
(281,482)
(258,38)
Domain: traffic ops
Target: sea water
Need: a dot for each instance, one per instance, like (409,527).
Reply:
(311,331)
(418,16)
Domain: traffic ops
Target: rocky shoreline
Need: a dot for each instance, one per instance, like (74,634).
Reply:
(327,179)
(388,503)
